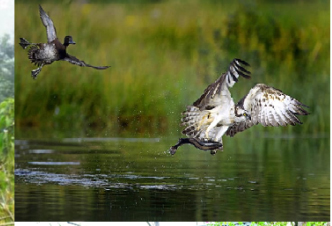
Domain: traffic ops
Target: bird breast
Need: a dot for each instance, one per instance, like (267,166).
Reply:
(224,115)
(48,53)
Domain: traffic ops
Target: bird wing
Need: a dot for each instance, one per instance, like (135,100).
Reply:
(215,92)
(48,23)
(197,117)
(74,60)
(269,107)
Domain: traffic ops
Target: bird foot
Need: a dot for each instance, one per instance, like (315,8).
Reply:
(35,72)
(205,145)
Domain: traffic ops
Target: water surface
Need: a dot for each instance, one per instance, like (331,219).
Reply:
(136,179)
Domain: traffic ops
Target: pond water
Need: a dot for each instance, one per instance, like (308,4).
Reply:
(136,179)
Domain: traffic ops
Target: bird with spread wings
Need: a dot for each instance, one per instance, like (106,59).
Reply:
(215,113)
(46,53)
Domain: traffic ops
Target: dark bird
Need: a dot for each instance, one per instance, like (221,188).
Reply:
(215,113)
(46,53)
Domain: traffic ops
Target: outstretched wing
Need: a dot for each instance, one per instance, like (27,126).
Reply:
(269,107)
(48,23)
(74,60)
(218,90)
(200,115)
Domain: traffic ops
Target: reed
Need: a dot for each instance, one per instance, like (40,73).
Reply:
(163,55)
(7,162)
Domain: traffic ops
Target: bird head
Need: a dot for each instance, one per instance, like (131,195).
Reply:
(242,113)
(68,40)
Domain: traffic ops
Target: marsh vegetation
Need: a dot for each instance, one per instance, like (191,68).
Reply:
(163,55)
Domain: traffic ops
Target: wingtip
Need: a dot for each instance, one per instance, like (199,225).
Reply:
(41,10)
(305,112)
(102,67)
(242,62)
(305,105)
(240,69)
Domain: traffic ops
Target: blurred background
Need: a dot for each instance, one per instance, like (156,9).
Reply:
(93,145)
(7,112)
(163,55)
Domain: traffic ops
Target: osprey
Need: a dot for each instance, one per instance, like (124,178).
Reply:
(215,113)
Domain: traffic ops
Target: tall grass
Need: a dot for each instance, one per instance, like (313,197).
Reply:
(163,55)
(7,162)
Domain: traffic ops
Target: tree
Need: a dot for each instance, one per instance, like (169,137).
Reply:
(6,68)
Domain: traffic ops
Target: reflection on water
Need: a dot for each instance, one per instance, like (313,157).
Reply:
(117,179)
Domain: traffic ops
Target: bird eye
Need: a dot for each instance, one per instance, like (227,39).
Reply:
(244,114)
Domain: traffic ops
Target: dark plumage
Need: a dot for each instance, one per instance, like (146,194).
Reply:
(46,53)
(200,144)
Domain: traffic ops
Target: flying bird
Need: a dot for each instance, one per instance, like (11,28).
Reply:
(215,113)
(46,53)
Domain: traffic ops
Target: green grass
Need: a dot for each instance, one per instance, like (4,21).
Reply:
(163,55)
(269,223)
(7,162)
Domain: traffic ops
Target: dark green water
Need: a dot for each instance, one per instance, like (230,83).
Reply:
(116,179)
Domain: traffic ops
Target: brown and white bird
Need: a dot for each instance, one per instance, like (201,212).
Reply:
(215,113)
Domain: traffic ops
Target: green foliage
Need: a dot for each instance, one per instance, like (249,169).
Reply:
(163,55)
(7,68)
(7,161)
(316,223)
(267,223)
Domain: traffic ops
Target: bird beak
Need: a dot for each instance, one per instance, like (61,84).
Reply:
(248,116)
